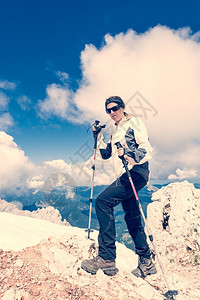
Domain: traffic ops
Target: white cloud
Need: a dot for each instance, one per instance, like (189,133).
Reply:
(6,121)
(163,66)
(7,85)
(4,99)
(15,166)
(189,156)
(24,102)
(35,182)
(80,174)
(183,174)
(56,102)
(63,76)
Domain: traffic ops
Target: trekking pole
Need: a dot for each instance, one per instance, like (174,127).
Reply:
(95,133)
(170,293)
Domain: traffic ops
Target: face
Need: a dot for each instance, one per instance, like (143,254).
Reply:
(116,115)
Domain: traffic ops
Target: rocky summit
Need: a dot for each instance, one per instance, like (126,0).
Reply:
(174,217)
(50,268)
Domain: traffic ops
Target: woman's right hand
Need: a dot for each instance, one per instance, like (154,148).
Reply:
(96,129)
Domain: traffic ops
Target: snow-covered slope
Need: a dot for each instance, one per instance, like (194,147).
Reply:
(18,232)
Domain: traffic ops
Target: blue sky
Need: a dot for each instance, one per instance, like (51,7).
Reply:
(39,39)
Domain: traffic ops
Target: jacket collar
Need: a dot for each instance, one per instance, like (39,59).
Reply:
(124,120)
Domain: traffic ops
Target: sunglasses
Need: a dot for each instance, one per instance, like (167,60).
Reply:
(114,108)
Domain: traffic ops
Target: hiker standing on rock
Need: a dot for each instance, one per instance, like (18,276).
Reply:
(132,134)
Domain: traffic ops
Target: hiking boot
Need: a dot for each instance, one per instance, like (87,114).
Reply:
(93,265)
(145,267)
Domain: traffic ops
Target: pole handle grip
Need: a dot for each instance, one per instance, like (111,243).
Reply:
(98,126)
(118,145)
(125,163)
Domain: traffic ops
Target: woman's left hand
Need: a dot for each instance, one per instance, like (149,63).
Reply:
(120,151)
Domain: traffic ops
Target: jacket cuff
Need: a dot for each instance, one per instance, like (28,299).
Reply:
(126,151)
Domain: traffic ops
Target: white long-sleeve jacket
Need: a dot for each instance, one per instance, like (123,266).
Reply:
(132,135)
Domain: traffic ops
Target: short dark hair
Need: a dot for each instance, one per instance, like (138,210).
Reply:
(115,99)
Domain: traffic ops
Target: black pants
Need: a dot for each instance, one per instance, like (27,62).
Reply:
(120,191)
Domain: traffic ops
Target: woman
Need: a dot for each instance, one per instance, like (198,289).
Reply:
(132,134)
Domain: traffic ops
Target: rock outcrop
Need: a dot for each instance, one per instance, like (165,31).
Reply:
(174,218)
